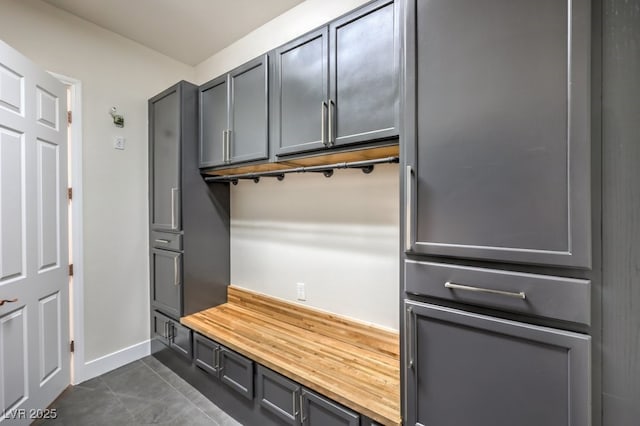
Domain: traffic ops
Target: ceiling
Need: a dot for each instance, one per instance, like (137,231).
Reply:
(189,31)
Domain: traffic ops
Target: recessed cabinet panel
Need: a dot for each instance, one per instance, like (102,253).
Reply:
(205,354)
(319,411)
(498,107)
(278,395)
(302,90)
(249,139)
(364,75)
(213,122)
(166,281)
(180,337)
(164,124)
(469,369)
(236,372)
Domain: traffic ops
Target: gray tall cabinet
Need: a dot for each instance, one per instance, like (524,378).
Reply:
(498,271)
(188,221)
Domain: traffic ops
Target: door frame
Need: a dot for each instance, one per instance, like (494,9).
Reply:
(76,288)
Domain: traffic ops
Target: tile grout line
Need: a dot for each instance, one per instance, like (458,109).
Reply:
(115,395)
(178,390)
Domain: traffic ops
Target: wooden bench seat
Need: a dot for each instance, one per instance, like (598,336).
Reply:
(352,363)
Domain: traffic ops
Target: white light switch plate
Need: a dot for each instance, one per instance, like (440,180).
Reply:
(301,291)
(118,142)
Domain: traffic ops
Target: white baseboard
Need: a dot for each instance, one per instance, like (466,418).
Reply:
(106,363)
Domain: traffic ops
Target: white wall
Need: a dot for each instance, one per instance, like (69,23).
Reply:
(339,236)
(114,72)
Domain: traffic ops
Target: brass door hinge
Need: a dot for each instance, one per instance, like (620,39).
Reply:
(69,117)
(70,193)
(72,346)
(71,270)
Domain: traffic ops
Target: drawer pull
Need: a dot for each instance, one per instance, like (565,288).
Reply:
(159,240)
(453,286)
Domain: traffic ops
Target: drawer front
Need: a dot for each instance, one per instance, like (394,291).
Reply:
(560,298)
(319,411)
(236,372)
(205,354)
(166,241)
(278,395)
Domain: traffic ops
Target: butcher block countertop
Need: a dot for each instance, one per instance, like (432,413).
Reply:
(350,362)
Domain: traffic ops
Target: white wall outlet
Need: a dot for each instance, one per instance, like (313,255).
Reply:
(301,291)
(118,142)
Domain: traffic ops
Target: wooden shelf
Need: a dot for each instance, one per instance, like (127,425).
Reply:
(313,160)
(352,363)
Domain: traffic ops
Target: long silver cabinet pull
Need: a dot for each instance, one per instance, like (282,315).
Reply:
(453,286)
(163,241)
(296,410)
(176,274)
(408,321)
(175,208)
(408,197)
(216,357)
(302,416)
(332,110)
(224,146)
(323,109)
(166,330)
(228,145)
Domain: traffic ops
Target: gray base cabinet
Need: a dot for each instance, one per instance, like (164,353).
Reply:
(166,281)
(293,404)
(172,334)
(469,369)
(231,368)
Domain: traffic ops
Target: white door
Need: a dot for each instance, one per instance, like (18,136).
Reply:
(34,329)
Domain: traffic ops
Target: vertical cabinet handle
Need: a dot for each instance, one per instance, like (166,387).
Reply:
(332,110)
(176,271)
(216,357)
(409,337)
(323,109)
(224,146)
(408,198)
(296,410)
(228,145)
(303,418)
(166,331)
(175,210)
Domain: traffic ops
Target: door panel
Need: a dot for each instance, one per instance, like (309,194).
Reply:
(181,339)
(236,372)
(301,89)
(166,281)
(500,130)
(466,368)
(164,122)
(12,192)
(34,330)
(214,122)
(364,75)
(249,116)
(205,354)
(319,411)
(278,395)
(48,199)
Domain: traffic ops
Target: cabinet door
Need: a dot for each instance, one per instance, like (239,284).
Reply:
(278,395)
(319,411)
(180,339)
(236,372)
(248,116)
(205,354)
(166,282)
(497,137)
(214,122)
(364,64)
(164,146)
(470,369)
(160,327)
(301,93)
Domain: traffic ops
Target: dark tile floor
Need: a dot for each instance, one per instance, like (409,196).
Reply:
(144,392)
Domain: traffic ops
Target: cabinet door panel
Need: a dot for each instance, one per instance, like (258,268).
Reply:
(164,126)
(499,95)
(204,354)
(249,111)
(278,395)
(319,411)
(466,369)
(181,340)
(213,121)
(364,75)
(301,87)
(166,282)
(236,372)
(159,327)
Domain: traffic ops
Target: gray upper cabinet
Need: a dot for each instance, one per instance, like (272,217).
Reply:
(469,369)
(301,91)
(363,75)
(338,85)
(497,130)
(234,116)
(164,127)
